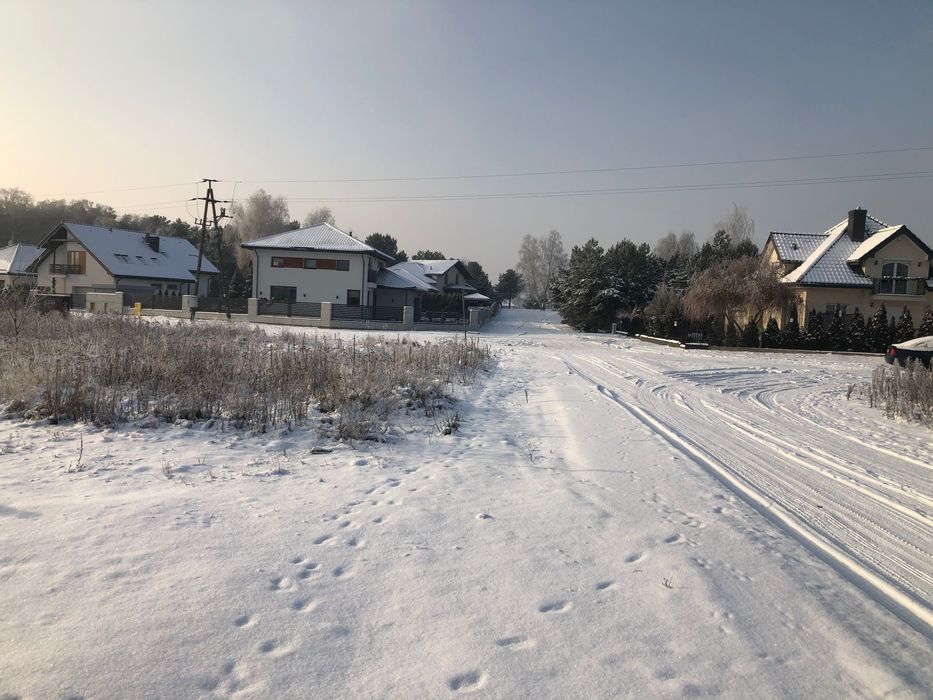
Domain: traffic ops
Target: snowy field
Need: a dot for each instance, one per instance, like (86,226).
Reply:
(613,519)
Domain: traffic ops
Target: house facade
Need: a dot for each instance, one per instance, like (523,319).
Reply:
(78,258)
(861,262)
(320,263)
(15,261)
(323,263)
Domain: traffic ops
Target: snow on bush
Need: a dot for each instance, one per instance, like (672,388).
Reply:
(109,369)
(906,393)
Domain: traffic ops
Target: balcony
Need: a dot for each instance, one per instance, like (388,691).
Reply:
(57,269)
(372,276)
(902,286)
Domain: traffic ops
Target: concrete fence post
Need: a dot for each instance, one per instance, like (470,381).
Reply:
(475,322)
(327,308)
(252,307)
(189,302)
(408,318)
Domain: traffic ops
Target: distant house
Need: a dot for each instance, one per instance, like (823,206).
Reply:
(320,263)
(78,258)
(408,283)
(861,262)
(15,260)
(323,263)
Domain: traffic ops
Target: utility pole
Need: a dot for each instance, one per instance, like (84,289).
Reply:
(216,218)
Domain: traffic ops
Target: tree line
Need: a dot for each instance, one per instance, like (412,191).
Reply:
(25,220)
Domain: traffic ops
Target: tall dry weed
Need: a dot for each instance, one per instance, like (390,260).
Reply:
(109,369)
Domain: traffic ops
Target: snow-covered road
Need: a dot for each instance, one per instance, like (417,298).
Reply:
(614,519)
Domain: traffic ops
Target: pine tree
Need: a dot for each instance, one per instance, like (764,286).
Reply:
(771,336)
(856,334)
(905,327)
(926,325)
(878,334)
(813,337)
(790,336)
(836,337)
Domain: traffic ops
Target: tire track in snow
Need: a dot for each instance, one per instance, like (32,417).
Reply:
(847,526)
(876,586)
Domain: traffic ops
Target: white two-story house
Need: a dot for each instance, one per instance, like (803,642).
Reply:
(320,263)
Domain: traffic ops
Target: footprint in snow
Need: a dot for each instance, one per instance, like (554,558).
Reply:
(280,583)
(557,606)
(273,647)
(467,682)
(517,642)
(243,621)
(633,558)
(322,539)
(674,539)
(605,585)
(304,605)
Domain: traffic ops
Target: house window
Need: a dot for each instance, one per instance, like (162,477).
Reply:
(288,262)
(76,262)
(324,264)
(122,258)
(278,262)
(836,310)
(278,293)
(893,278)
(353,297)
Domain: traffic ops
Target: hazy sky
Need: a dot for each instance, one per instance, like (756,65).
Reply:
(98,96)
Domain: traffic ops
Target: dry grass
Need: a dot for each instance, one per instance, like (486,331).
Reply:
(905,393)
(110,369)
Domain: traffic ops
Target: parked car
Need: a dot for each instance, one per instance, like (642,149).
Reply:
(917,349)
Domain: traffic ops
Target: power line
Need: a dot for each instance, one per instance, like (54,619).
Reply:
(583,171)
(122,189)
(545,194)
(839,179)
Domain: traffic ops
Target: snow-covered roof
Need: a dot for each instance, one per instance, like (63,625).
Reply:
(476,296)
(436,267)
(413,272)
(391,278)
(16,258)
(795,247)
(828,264)
(127,254)
(874,241)
(323,237)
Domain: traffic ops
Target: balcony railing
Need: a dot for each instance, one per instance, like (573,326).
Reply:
(58,269)
(908,286)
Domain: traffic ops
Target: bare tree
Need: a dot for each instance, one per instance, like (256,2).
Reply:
(669,245)
(666,246)
(540,260)
(529,265)
(737,225)
(323,215)
(740,290)
(260,215)
(687,244)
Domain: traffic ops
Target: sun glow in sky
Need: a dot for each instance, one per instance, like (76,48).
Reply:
(98,97)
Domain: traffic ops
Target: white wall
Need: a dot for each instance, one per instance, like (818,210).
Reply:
(312,285)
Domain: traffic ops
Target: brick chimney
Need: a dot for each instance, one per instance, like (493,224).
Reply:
(153,241)
(857,225)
